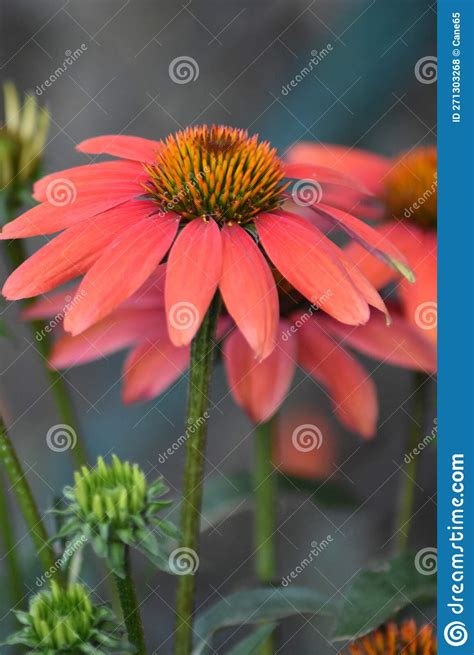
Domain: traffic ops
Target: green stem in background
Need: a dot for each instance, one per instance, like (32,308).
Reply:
(130,607)
(17,256)
(202,351)
(9,544)
(408,485)
(25,499)
(265,493)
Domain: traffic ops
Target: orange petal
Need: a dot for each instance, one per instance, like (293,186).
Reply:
(349,385)
(249,290)
(301,254)
(259,388)
(121,145)
(151,368)
(116,331)
(368,167)
(400,343)
(73,252)
(192,275)
(121,270)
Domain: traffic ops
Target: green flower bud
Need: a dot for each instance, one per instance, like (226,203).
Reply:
(113,506)
(61,621)
(22,138)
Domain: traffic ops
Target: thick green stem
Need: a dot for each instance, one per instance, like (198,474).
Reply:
(17,255)
(130,607)
(24,496)
(15,586)
(265,493)
(408,485)
(202,351)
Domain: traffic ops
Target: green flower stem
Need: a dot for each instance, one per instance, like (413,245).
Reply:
(25,500)
(17,255)
(407,490)
(9,544)
(265,494)
(130,607)
(202,351)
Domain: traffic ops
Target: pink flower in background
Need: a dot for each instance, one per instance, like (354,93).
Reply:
(306,338)
(407,187)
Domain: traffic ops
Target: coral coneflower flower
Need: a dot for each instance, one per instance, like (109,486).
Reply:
(305,337)
(407,186)
(393,639)
(211,200)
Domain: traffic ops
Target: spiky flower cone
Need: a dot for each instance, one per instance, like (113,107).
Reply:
(61,621)
(113,507)
(397,639)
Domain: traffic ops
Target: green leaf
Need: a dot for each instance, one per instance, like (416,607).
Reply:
(256,606)
(376,594)
(250,644)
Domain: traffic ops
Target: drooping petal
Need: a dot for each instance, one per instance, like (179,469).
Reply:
(151,368)
(116,331)
(121,270)
(420,300)
(259,388)
(121,145)
(72,252)
(400,343)
(403,236)
(249,290)
(73,183)
(300,252)
(368,167)
(372,240)
(349,385)
(192,275)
